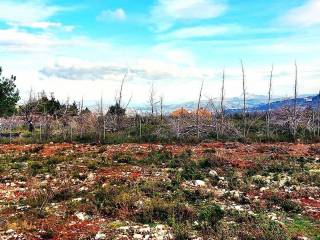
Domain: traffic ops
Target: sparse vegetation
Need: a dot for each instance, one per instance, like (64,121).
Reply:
(182,191)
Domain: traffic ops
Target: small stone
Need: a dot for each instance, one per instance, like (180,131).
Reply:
(100,235)
(199,183)
(213,173)
(137,236)
(9,231)
(82,216)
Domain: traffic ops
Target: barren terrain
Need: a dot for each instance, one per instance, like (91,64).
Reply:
(147,191)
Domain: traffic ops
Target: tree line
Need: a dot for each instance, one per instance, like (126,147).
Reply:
(46,118)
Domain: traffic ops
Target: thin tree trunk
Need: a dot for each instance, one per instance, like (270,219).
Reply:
(222,103)
(40,136)
(121,89)
(104,128)
(295,102)
(198,108)
(269,103)
(161,108)
(244,102)
(318,116)
(151,100)
(140,128)
(81,118)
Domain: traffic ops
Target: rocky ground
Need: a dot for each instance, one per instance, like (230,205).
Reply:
(141,191)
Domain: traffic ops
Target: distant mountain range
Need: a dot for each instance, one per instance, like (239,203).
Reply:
(254,103)
(307,101)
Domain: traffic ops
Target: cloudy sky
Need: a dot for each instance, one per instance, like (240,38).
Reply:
(83,48)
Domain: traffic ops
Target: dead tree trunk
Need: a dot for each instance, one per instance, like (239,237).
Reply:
(244,111)
(151,99)
(269,103)
(222,106)
(295,102)
(161,108)
(198,108)
(318,116)
(81,118)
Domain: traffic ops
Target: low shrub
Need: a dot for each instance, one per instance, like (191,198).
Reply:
(209,216)
(181,231)
(154,210)
(123,158)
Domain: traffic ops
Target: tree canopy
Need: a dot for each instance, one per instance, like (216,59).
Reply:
(49,106)
(9,95)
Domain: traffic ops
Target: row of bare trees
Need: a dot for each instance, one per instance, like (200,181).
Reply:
(210,121)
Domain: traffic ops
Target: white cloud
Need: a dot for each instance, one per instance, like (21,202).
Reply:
(166,12)
(29,11)
(117,15)
(143,69)
(305,16)
(43,25)
(199,31)
(31,14)
(19,41)
(12,40)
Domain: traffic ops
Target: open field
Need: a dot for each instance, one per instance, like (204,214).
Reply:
(146,191)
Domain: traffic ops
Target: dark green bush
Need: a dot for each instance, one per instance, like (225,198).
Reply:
(123,158)
(209,216)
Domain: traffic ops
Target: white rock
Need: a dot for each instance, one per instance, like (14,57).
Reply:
(199,183)
(82,216)
(263,189)
(91,177)
(83,189)
(213,173)
(9,231)
(100,235)
(76,199)
(144,230)
(137,236)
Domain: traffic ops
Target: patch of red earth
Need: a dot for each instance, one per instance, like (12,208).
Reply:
(70,229)
(4,148)
(20,195)
(116,173)
(299,150)
(51,149)
(312,207)
(310,202)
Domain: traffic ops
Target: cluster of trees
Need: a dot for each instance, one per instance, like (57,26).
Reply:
(49,106)
(40,104)
(55,119)
(9,95)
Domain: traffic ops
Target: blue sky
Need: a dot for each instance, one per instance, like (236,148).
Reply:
(83,48)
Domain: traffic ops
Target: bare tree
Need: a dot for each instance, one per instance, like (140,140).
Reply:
(198,109)
(318,115)
(161,108)
(222,102)
(151,99)
(295,102)
(244,111)
(269,103)
(119,101)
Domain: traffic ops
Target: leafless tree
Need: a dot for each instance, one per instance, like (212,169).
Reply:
(244,101)
(152,99)
(222,102)
(269,103)
(295,102)
(318,115)
(161,108)
(119,101)
(198,109)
